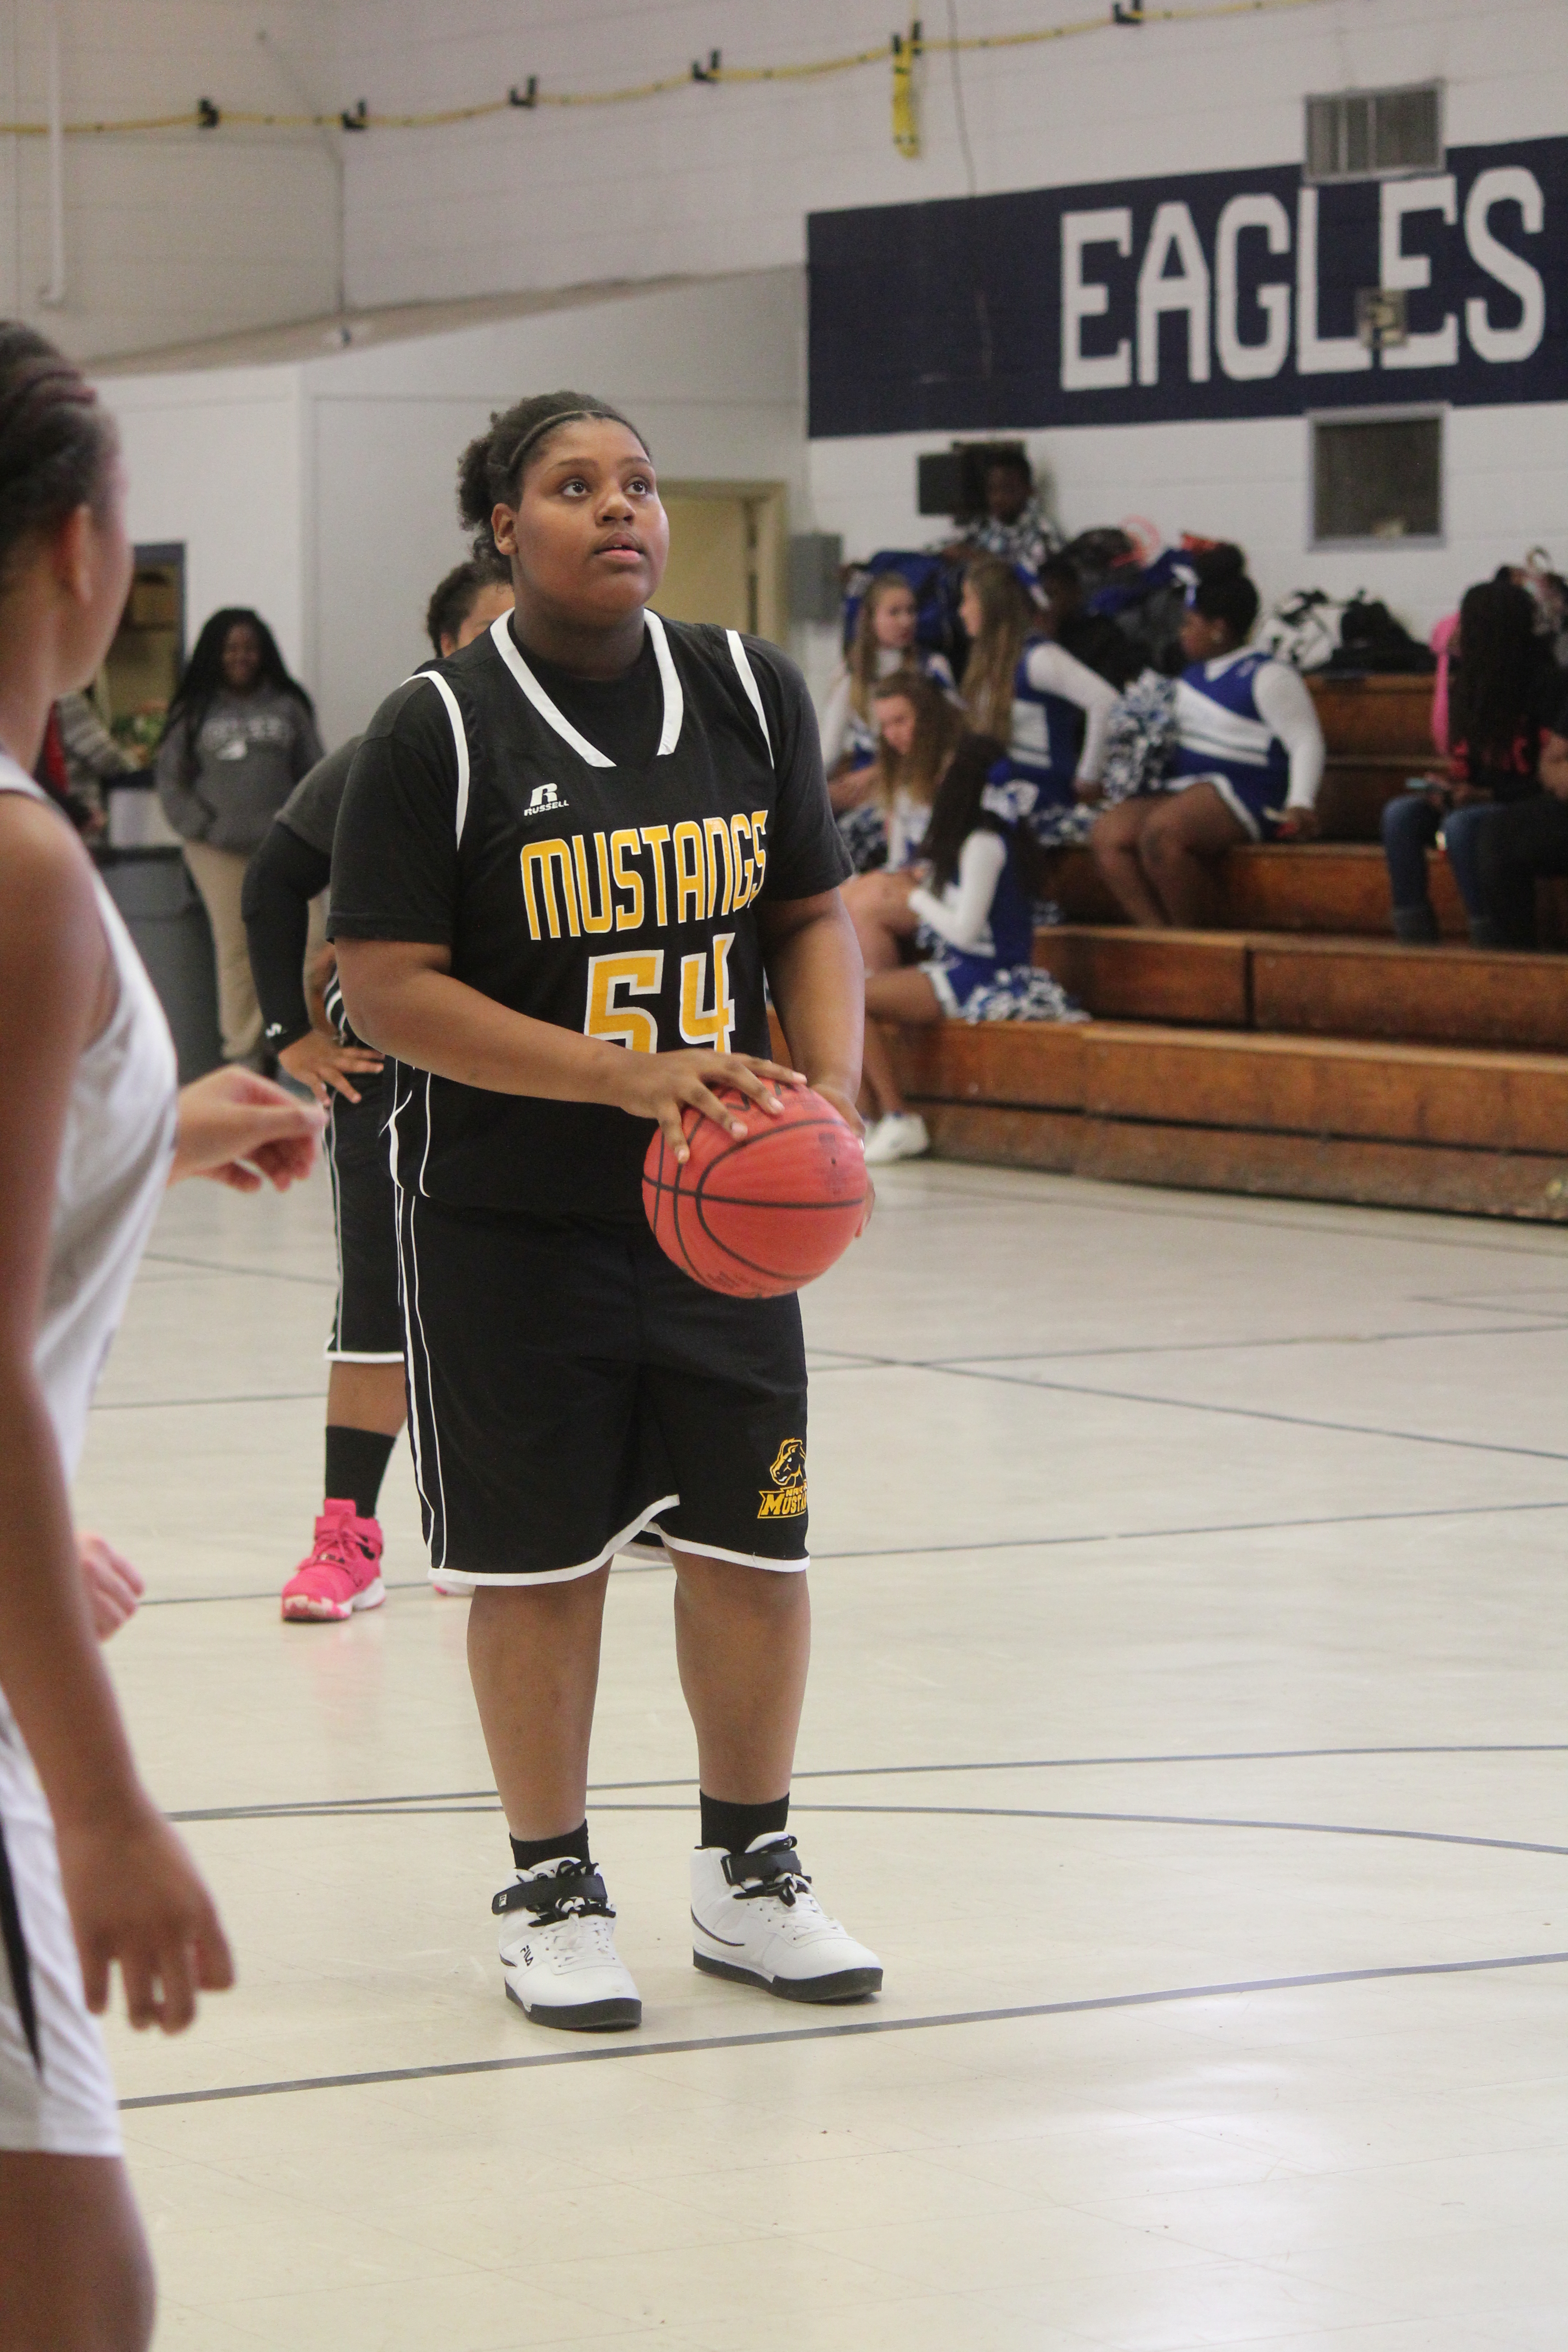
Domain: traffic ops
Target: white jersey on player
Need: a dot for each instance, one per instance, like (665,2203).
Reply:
(56,2096)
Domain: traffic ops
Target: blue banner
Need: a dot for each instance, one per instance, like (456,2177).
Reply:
(1215,294)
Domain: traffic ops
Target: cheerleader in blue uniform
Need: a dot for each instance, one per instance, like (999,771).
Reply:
(1246,767)
(1050,710)
(967,909)
(883,642)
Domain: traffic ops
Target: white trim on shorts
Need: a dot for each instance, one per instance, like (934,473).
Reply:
(359,1356)
(454,1577)
(1227,793)
(63,2104)
(740,1558)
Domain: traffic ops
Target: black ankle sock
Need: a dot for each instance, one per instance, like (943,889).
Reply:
(734,1826)
(356,1464)
(527,1852)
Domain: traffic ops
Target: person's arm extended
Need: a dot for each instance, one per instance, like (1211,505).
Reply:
(818,984)
(1054,670)
(1284,700)
(132,1892)
(401,995)
(980,866)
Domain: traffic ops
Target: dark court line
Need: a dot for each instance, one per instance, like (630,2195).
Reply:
(396,1810)
(1107,1197)
(162,1404)
(864,1361)
(348,1805)
(959,1369)
(997,1543)
(1532,1321)
(252,1272)
(849,2028)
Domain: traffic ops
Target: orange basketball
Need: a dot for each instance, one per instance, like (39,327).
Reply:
(760,1213)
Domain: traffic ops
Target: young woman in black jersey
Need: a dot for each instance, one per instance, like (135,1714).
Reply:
(595,831)
(341,1573)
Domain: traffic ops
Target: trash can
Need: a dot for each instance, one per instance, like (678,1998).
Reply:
(169,924)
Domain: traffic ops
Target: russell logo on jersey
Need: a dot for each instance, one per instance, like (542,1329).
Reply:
(544,801)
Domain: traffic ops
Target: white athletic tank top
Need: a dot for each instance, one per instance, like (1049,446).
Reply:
(115,1164)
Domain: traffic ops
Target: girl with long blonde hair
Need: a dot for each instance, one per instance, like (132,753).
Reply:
(1028,692)
(883,641)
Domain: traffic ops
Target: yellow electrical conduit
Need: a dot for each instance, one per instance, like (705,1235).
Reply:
(901,49)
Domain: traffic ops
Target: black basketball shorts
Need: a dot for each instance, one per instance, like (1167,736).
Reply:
(367,1322)
(569,1388)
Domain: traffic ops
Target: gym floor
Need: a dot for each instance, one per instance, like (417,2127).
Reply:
(1186,1733)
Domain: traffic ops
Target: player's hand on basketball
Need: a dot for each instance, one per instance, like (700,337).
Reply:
(665,1086)
(113,1586)
(136,1897)
(842,1104)
(239,1129)
(321,1064)
(845,1105)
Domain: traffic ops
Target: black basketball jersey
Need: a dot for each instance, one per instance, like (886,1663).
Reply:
(617,900)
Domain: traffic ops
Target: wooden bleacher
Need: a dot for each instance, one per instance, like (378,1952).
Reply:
(1299,1051)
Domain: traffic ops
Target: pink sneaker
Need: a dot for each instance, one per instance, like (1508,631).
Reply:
(343,1570)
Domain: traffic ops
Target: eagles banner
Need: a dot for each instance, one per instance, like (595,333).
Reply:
(1218,294)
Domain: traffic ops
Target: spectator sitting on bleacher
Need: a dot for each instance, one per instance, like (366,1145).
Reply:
(1503,691)
(1050,710)
(1090,637)
(1014,526)
(1247,766)
(1525,840)
(884,640)
(966,915)
(917,728)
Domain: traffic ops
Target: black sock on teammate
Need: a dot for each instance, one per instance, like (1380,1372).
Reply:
(356,1464)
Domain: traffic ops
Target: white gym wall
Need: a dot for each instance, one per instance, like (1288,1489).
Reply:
(323,491)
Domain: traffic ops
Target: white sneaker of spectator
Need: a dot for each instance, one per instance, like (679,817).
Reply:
(901,1134)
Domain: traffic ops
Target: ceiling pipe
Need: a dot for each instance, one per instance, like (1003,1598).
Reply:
(53,294)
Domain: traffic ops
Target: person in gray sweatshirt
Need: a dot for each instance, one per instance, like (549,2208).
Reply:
(239,735)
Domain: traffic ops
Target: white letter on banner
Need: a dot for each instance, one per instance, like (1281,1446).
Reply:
(1244,363)
(1079,301)
(1189,291)
(1412,271)
(1511,185)
(1318,354)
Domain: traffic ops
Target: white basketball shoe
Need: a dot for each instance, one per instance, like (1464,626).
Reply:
(558,1949)
(900,1135)
(756,1920)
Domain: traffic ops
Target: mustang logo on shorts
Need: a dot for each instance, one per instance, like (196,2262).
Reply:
(786,1499)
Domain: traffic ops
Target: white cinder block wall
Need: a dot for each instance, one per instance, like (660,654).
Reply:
(172,235)
(324,492)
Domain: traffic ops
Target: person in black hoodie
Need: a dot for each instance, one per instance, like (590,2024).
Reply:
(239,735)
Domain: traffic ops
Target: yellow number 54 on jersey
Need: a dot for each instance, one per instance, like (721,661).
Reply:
(707,1017)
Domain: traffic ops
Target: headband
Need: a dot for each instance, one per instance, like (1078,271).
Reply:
(548,425)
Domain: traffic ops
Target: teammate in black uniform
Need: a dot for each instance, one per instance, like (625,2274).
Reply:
(591,832)
(341,1571)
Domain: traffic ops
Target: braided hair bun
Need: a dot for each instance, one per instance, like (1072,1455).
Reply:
(57,444)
